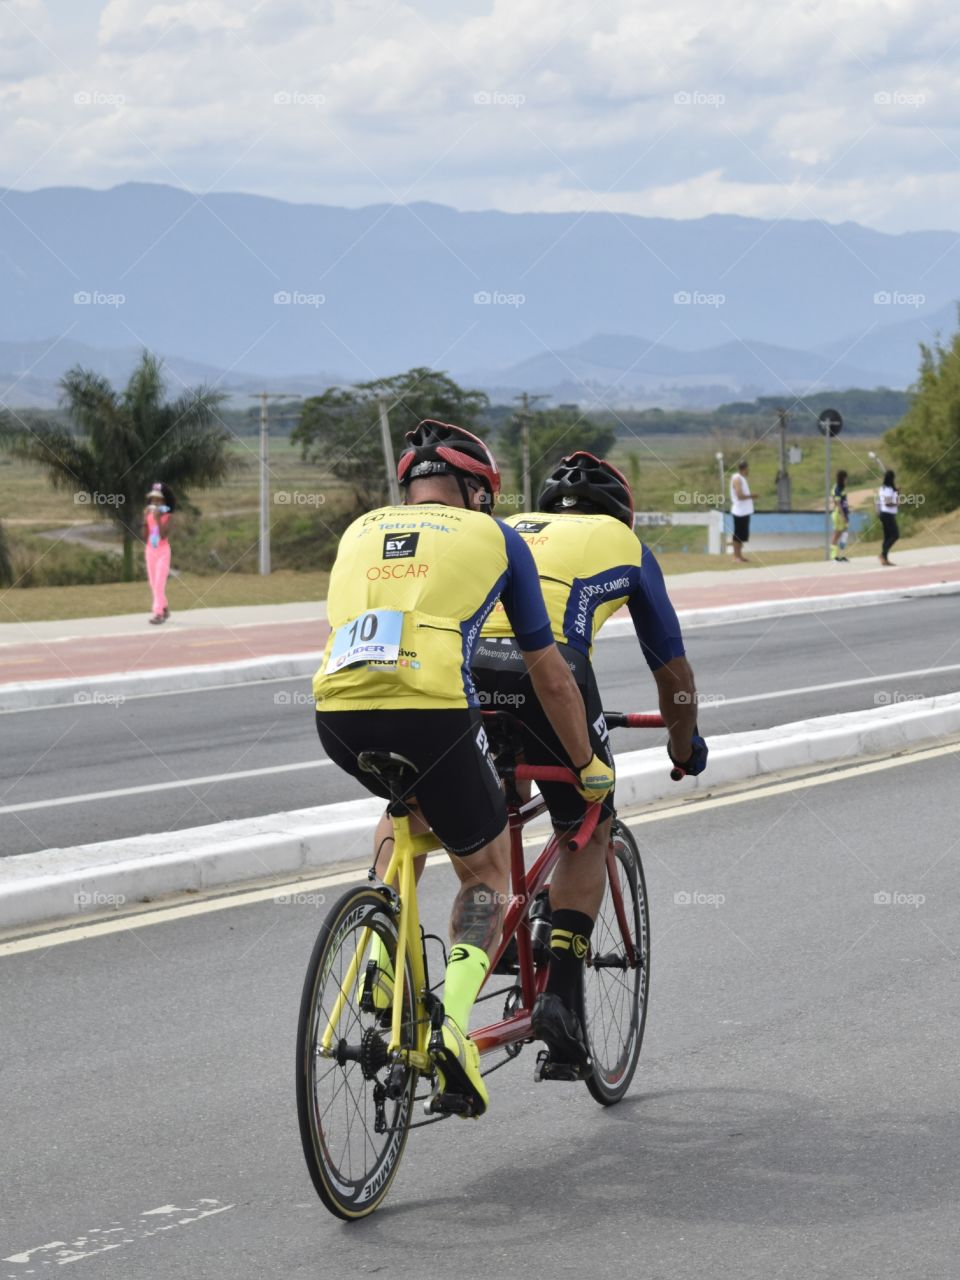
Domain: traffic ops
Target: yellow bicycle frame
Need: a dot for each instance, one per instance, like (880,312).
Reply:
(399,875)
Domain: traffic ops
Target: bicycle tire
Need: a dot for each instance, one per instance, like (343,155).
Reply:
(351,1189)
(615,999)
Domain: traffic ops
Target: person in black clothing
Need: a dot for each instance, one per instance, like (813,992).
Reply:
(888,504)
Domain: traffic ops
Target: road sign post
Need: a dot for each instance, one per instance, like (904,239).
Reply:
(830,424)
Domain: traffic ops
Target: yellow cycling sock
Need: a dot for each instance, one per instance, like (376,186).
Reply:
(381,955)
(466,970)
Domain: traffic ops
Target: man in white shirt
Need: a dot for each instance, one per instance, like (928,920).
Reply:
(741,508)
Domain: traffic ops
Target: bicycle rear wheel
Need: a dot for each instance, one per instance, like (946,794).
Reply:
(354,1105)
(614,990)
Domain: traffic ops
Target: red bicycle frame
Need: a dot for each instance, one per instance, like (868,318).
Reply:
(526,884)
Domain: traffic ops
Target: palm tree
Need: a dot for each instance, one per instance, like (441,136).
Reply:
(120,443)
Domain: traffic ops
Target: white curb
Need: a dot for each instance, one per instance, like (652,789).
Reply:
(37,694)
(70,882)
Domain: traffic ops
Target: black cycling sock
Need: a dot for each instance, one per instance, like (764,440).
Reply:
(569,939)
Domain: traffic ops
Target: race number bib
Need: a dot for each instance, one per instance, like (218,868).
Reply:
(373,637)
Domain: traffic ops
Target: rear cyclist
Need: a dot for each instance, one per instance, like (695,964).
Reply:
(409,591)
(590,563)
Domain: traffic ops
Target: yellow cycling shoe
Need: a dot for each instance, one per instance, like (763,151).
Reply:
(460,1088)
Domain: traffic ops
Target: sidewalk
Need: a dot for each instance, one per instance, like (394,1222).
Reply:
(79,648)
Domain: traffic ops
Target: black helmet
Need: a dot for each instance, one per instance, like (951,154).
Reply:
(598,483)
(439,448)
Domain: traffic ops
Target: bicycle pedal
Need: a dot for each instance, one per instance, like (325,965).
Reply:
(547,1069)
(448,1104)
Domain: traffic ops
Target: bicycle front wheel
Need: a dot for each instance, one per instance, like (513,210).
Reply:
(616,975)
(354,1105)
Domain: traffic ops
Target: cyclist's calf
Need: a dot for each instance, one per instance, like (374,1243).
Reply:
(579,879)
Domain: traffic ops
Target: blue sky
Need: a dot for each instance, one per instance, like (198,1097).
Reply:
(832,109)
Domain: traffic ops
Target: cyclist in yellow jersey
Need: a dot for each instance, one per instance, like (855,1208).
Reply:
(409,592)
(590,564)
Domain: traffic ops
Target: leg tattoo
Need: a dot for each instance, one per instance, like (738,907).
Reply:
(477,916)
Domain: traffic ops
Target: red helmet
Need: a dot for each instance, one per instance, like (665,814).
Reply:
(439,448)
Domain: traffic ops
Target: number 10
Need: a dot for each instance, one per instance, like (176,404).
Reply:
(367,626)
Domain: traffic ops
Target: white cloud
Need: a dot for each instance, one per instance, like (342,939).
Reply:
(847,106)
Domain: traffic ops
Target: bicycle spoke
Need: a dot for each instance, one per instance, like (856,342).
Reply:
(346,1155)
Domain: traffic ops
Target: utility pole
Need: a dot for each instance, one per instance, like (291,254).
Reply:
(784,502)
(393,485)
(523,416)
(266,396)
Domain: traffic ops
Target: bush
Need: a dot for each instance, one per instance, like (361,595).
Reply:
(37,562)
(303,538)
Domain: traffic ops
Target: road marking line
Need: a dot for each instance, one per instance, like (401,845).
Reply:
(210,779)
(838,684)
(93,1241)
(58,935)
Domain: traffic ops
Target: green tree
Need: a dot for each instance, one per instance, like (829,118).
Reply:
(116,444)
(340,430)
(926,442)
(553,434)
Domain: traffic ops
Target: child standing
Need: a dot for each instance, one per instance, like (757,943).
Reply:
(156,529)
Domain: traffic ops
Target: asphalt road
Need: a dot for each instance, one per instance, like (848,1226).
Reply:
(162,751)
(794,1113)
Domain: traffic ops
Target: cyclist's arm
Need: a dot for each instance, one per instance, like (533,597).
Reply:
(678,704)
(552,680)
(658,630)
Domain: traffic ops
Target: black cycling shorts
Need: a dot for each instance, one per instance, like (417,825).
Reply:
(457,790)
(503,684)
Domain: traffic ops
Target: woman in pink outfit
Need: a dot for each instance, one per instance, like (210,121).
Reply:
(156,531)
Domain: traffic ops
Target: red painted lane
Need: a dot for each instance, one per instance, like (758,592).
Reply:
(167,646)
(158,648)
(836,579)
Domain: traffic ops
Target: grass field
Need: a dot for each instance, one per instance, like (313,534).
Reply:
(668,473)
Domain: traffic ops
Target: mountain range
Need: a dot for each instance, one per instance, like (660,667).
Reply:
(247,291)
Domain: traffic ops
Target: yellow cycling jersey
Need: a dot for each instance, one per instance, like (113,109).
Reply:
(589,566)
(409,591)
